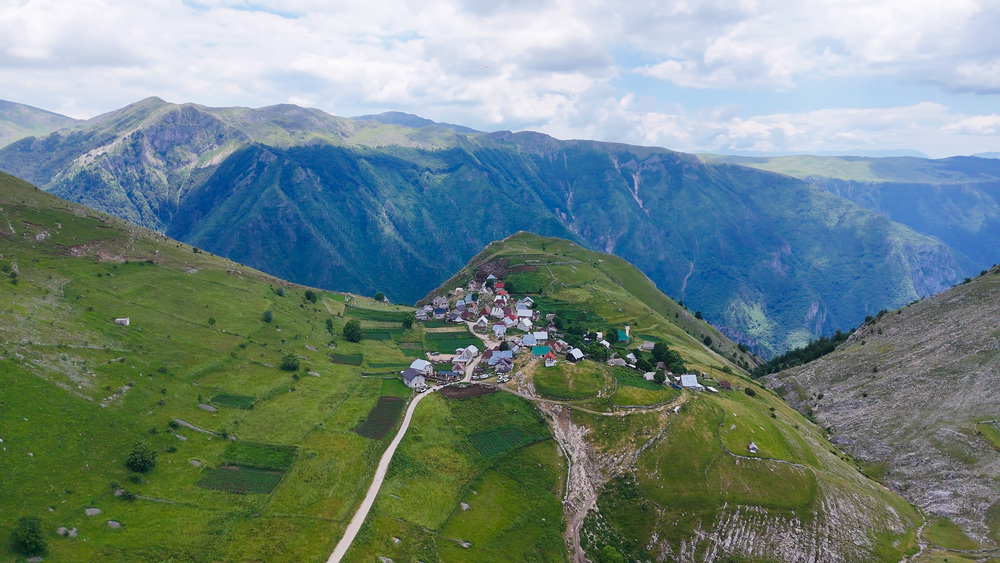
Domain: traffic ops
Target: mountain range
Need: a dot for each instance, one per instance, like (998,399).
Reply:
(772,260)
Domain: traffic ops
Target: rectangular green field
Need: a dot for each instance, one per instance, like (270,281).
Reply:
(376,335)
(234,401)
(269,457)
(347,359)
(375,315)
(382,418)
(240,480)
(498,441)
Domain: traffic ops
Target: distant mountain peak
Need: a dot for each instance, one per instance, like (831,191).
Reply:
(411,120)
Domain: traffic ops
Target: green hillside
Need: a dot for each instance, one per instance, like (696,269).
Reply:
(912,395)
(257,462)
(668,471)
(349,204)
(18,121)
(196,365)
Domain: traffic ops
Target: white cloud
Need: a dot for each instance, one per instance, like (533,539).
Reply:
(512,64)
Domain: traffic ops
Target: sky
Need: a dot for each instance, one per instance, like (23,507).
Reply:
(744,76)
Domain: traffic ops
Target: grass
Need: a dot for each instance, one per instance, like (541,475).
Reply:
(347,359)
(62,357)
(375,314)
(498,441)
(235,479)
(569,381)
(234,401)
(990,431)
(946,534)
(382,418)
(268,457)
(513,503)
(394,387)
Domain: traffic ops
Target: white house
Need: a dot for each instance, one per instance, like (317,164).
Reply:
(499,331)
(541,336)
(413,378)
(423,366)
(690,381)
(574,355)
(524,324)
(123,322)
(649,376)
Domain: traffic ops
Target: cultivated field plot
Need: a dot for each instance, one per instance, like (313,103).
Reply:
(502,440)
(260,456)
(382,418)
(234,401)
(466,391)
(375,315)
(347,359)
(635,390)
(569,381)
(240,480)
(450,341)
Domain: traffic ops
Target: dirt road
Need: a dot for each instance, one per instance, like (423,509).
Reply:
(359,517)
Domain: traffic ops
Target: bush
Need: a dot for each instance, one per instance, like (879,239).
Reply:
(280,291)
(352,330)
(707,340)
(211,321)
(26,537)
(697,315)
(127,495)
(380,296)
(750,391)
(408,321)
(268,316)
(289,363)
(329,326)
(311,296)
(141,459)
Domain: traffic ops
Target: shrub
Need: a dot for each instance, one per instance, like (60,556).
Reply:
(329,326)
(26,537)
(697,315)
(127,495)
(352,330)
(750,391)
(743,347)
(311,296)
(408,321)
(707,340)
(280,291)
(268,316)
(173,424)
(380,296)
(142,458)
(289,363)
(211,321)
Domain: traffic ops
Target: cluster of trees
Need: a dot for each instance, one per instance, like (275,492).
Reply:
(352,330)
(803,355)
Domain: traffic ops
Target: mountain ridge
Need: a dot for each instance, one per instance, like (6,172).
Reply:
(724,238)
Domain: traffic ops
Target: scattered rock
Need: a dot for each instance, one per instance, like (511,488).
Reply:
(465,506)
(308,347)
(92,511)
(181,438)
(114,524)
(35,559)
(314,374)
(62,531)
(118,492)
(396,540)
(72,532)
(208,408)
(385,559)
(195,463)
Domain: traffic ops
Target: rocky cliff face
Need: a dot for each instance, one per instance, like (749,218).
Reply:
(911,395)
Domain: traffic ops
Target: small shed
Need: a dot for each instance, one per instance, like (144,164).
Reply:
(690,381)
(726,386)
(123,321)
(550,360)
(574,355)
